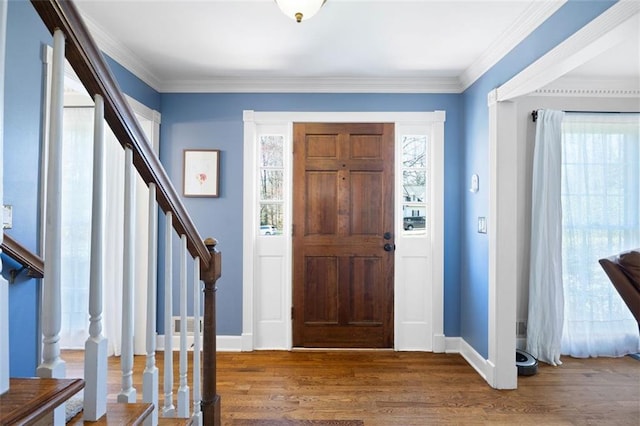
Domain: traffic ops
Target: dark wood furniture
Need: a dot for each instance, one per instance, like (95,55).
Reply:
(624,272)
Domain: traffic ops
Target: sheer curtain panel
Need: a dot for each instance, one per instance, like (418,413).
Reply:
(601,217)
(544,328)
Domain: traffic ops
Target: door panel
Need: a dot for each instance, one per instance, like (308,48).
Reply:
(322,287)
(342,207)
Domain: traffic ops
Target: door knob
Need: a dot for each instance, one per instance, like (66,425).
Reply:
(389,247)
(386,235)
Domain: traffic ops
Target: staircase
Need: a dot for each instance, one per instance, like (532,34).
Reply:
(40,400)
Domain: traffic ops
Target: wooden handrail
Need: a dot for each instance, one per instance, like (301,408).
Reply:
(94,73)
(32,262)
(87,61)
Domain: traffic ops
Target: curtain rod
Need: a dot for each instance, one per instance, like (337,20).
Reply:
(534,113)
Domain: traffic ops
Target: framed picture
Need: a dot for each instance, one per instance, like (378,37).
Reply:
(201,173)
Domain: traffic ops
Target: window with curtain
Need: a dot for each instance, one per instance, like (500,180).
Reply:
(77,179)
(76,224)
(600,218)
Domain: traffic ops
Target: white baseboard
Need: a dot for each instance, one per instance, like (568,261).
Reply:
(439,343)
(223,343)
(474,359)
(452,345)
(460,346)
(247,342)
(229,343)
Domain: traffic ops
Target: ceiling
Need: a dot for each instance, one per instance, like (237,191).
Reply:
(350,45)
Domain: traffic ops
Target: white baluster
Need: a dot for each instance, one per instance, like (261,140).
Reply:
(197,291)
(95,357)
(52,366)
(4,286)
(169,409)
(150,375)
(183,388)
(128,392)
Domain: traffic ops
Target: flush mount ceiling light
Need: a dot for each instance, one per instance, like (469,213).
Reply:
(300,10)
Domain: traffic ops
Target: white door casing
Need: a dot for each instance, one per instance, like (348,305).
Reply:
(419,259)
(612,27)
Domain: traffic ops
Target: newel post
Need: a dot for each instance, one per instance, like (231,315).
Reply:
(210,399)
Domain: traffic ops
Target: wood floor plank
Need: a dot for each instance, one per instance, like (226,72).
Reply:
(389,388)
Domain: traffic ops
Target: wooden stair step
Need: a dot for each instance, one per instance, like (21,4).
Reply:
(118,414)
(31,399)
(168,421)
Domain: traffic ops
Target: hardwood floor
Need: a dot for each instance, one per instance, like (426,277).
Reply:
(406,388)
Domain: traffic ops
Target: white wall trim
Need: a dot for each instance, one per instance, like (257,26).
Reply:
(604,32)
(250,224)
(534,15)
(223,343)
(4,285)
(314,85)
(617,24)
(601,88)
(457,345)
(251,120)
(502,232)
(125,57)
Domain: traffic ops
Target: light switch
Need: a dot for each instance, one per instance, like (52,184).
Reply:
(7,215)
(482,225)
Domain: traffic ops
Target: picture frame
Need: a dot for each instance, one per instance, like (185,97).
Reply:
(201,173)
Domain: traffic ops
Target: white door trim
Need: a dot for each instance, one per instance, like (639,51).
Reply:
(605,31)
(281,263)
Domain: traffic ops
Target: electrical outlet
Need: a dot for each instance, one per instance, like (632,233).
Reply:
(521,328)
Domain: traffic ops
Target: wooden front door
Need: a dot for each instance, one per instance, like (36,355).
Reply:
(343,218)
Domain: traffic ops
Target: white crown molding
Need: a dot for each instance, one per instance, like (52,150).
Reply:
(314,85)
(121,54)
(614,26)
(532,18)
(605,88)
(130,61)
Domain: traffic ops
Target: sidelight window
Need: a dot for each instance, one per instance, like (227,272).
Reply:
(415,170)
(271,184)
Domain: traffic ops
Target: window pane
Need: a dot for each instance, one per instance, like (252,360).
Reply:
(414,185)
(414,217)
(271,151)
(271,218)
(414,151)
(600,217)
(271,184)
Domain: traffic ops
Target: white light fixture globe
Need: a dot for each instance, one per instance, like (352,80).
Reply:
(300,10)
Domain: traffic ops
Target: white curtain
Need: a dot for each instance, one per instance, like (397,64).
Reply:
(77,178)
(544,327)
(114,224)
(76,225)
(601,217)
(76,238)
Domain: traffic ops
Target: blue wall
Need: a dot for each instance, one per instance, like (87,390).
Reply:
(133,86)
(24,87)
(23,90)
(475,247)
(214,121)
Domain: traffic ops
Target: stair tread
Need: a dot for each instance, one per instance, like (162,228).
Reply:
(30,399)
(167,421)
(119,414)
